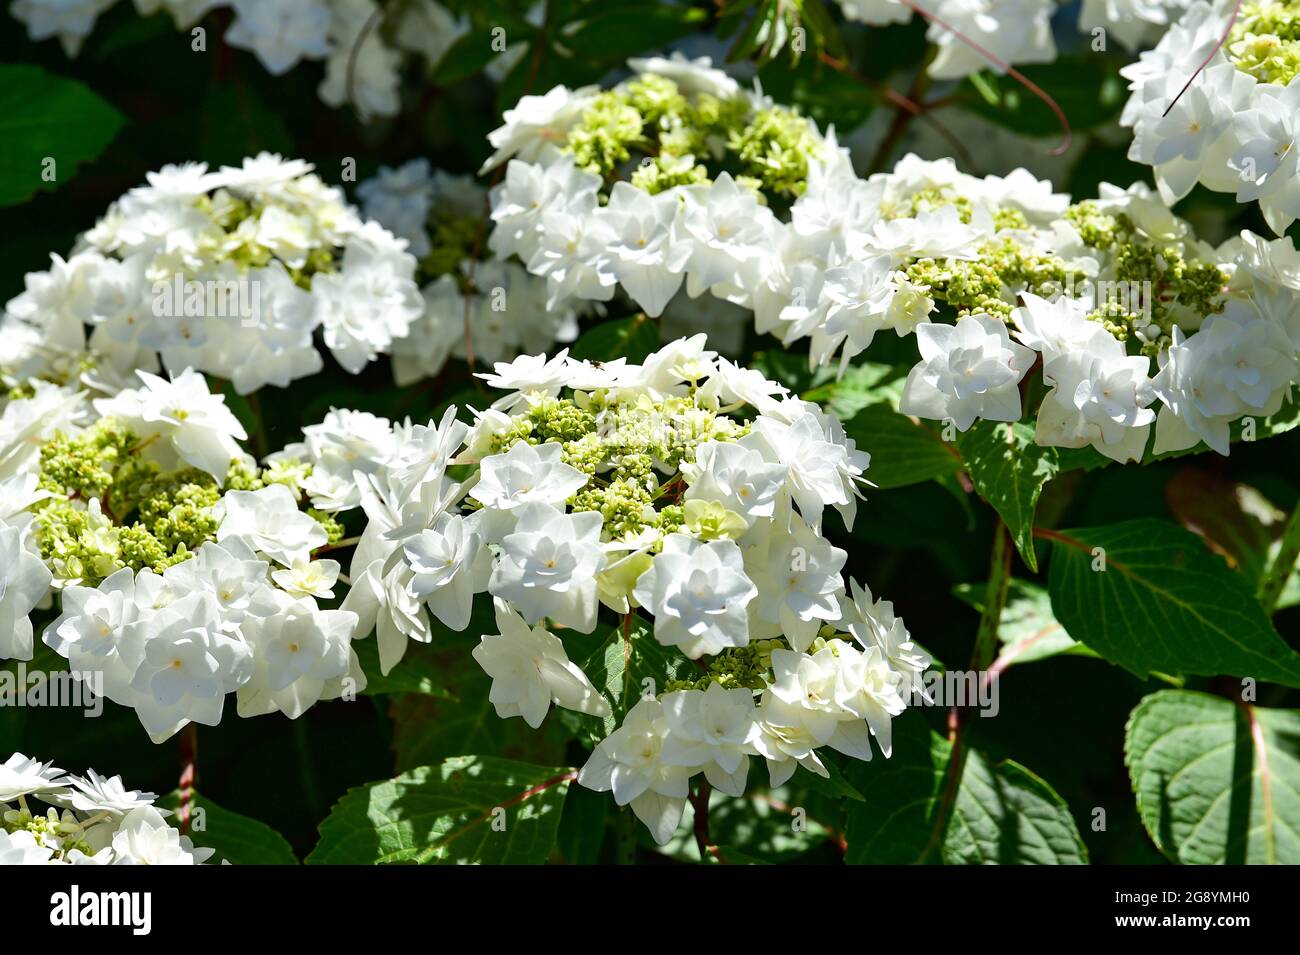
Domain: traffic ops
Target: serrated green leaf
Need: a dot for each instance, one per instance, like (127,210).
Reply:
(46,117)
(999,813)
(1163,603)
(1005,815)
(237,839)
(1216,781)
(1009,471)
(467,809)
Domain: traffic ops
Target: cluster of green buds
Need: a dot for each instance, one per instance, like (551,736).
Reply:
(672,138)
(109,506)
(1265,41)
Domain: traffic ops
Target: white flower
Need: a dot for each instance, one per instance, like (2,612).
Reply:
(449,565)
(698,594)
(691,76)
(145,838)
(644,252)
(535,123)
(280,33)
(737,477)
(189,422)
(824,467)
(70,20)
(1099,400)
(727,228)
(308,578)
(548,566)
(1236,364)
(99,794)
(713,729)
(1014,31)
(24,582)
(301,655)
(269,520)
(873,624)
(371,300)
(797,573)
(630,762)
(20,776)
(969,370)
(21,848)
(189,665)
(530,670)
(524,474)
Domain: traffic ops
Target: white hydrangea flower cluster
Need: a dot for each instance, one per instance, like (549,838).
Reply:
(1124,285)
(643,489)
(1234,128)
(229,272)
(497,305)
(1014,31)
(90,820)
(364,49)
(694,210)
(181,571)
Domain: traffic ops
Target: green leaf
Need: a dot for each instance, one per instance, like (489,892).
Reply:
(903,451)
(468,809)
(1006,815)
(1000,813)
(632,338)
(44,117)
(236,839)
(582,827)
(1009,471)
(1216,781)
(1163,603)
(899,823)
(615,34)
(1028,631)
(467,56)
(626,670)
(859,387)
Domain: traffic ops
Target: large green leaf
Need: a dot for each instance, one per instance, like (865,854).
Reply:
(915,812)
(899,822)
(237,839)
(468,809)
(1216,781)
(1163,603)
(1009,471)
(45,117)
(1005,814)
(903,451)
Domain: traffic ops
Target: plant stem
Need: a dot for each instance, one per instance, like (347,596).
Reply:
(995,599)
(626,836)
(189,742)
(986,642)
(1280,568)
(700,803)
